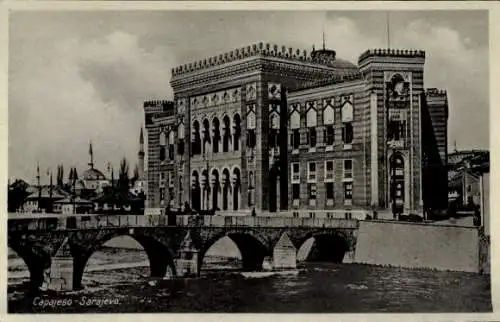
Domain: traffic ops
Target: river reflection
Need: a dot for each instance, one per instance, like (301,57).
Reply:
(316,288)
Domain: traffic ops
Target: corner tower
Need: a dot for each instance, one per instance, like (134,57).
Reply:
(395,85)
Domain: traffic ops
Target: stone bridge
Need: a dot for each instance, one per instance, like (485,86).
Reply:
(56,248)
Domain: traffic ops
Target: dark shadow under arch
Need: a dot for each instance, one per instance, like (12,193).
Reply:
(327,247)
(159,256)
(252,249)
(35,264)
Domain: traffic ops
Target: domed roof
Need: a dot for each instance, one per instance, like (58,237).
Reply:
(328,57)
(93,174)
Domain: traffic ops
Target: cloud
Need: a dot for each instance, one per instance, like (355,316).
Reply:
(81,90)
(462,70)
(71,83)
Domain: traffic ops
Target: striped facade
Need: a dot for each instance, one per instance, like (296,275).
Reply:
(279,131)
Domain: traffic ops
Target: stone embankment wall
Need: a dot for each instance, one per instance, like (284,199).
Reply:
(415,245)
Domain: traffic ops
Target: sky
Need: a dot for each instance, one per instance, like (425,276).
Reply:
(80,76)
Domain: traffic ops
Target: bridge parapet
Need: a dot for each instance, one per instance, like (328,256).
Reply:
(79,222)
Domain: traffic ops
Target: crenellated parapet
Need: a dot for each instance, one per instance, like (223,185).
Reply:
(433,92)
(157,109)
(352,76)
(163,104)
(259,49)
(409,53)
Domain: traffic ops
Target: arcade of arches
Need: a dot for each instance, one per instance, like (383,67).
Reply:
(216,136)
(220,190)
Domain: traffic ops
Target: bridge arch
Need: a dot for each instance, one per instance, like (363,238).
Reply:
(329,246)
(30,261)
(160,257)
(253,248)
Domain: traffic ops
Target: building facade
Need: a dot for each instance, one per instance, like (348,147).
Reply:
(282,130)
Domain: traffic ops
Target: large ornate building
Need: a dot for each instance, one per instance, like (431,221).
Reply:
(274,129)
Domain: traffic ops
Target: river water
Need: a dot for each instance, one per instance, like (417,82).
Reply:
(317,287)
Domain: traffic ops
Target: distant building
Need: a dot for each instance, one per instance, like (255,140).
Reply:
(43,200)
(274,129)
(73,206)
(93,179)
(469,178)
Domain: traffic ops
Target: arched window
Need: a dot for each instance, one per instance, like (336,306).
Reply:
(215,190)
(227,134)
(216,134)
(226,189)
(251,186)
(251,139)
(330,135)
(237,132)
(163,144)
(236,188)
(196,141)
(347,133)
(206,136)
(195,190)
(171,145)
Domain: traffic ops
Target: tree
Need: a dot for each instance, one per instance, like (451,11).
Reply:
(18,191)
(60,176)
(123,179)
(136,175)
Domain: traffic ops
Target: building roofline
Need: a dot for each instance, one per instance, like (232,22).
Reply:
(254,50)
(379,52)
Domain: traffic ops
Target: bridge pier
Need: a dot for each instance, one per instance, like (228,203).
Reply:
(188,262)
(284,254)
(61,269)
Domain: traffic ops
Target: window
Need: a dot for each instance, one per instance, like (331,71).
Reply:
(347,169)
(237,132)
(347,133)
(329,171)
(348,192)
(162,179)
(171,195)
(163,143)
(396,130)
(162,194)
(180,147)
(312,137)
(311,173)
(295,139)
(329,190)
(295,172)
(312,191)
(273,138)
(251,140)
(330,135)
(296,191)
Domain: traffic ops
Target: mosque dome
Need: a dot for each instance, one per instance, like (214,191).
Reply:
(93,175)
(328,57)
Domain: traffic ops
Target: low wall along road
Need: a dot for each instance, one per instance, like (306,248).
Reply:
(418,245)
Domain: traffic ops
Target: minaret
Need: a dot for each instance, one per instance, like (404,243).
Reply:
(91,163)
(39,185)
(141,155)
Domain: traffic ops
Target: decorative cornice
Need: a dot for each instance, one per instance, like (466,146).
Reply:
(410,53)
(260,49)
(163,104)
(271,65)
